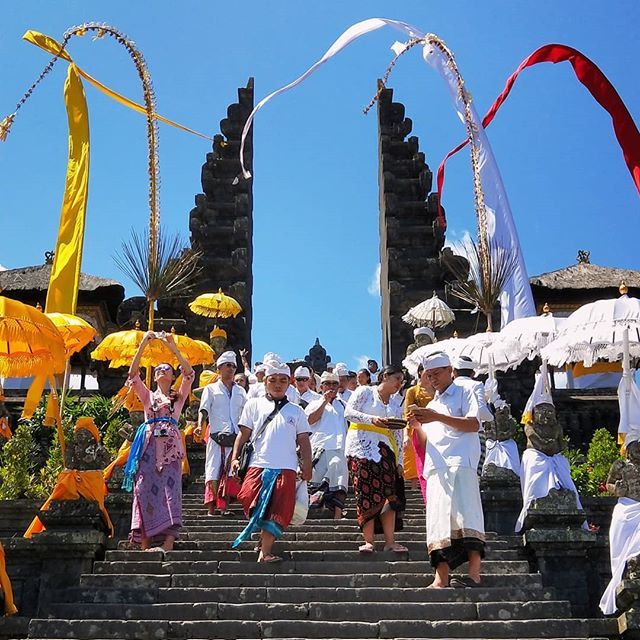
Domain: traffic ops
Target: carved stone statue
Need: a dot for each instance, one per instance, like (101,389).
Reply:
(503,426)
(624,476)
(218,340)
(84,453)
(419,340)
(545,434)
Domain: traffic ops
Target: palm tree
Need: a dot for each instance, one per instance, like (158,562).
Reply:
(486,277)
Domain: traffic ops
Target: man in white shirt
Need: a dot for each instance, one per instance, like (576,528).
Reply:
(342,371)
(302,382)
(449,427)
(258,390)
(220,408)
(329,428)
(276,428)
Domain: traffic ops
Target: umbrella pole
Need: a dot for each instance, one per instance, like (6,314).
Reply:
(150,328)
(65,384)
(626,368)
(545,373)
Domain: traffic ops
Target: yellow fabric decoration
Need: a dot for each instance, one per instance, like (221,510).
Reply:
(72,485)
(88,423)
(186,469)
(52,46)
(120,461)
(5,429)
(355,426)
(33,396)
(62,295)
(580,370)
(9,606)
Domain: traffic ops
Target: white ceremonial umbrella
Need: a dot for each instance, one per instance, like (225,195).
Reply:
(490,351)
(596,331)
(533,333)
(433,313)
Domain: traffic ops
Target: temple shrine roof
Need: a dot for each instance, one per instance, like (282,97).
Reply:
(585,275)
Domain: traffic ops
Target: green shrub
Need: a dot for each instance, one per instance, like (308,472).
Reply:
(16,475)
(590,471)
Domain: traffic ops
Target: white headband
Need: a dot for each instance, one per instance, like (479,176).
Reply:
(460,364)
(227,357)
(276,369)
(436,361)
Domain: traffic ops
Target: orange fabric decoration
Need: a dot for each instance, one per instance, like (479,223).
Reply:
(9,606)
(186,469)
(5,429)
(599,367)
(72,485)
(85,422)
(120,461)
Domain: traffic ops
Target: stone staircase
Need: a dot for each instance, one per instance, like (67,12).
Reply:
(323,589)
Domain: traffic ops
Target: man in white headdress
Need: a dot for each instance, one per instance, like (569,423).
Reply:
(329,429)
(277,429)
(463,373)
(258,389)
(220,408)
(448,428)
(302,382)
(342,371)
(543,467)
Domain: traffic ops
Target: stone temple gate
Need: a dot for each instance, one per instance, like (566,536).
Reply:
(411,238)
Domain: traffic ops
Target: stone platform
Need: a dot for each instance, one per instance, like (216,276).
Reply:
(323,589)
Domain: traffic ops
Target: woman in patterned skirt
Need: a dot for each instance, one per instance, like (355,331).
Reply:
(154,468)
(374,455)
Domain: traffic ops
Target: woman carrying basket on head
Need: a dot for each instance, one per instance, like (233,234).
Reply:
(154,468)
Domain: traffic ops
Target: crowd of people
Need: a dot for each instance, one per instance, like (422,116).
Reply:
(273,428)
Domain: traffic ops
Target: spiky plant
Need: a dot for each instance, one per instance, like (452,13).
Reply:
(486,277)
(170,271)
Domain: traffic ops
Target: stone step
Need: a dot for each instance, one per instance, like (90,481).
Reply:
(289,580)
(235,629)
(348,553)
(321,611)
(239,595)
(375,563)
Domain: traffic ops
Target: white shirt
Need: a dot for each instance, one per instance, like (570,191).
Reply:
(477,387)
(222,406)
(345,395)
(364,405)
(275,447)
(446,446)
(329,432)
(258,390)
(310,396)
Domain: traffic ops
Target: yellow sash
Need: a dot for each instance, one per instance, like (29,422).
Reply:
(383,431)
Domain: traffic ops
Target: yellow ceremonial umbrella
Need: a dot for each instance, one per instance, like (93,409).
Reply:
(76,333)
(30,343)
(215,305)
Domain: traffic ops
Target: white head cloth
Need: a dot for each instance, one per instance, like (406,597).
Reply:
(226,357)
(261,368)
(302,372)
(424,331)
(341,369)
(461,364)
(436,361)
(327,376)
(274,368)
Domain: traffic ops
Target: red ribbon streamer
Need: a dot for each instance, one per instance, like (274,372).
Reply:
(599,87)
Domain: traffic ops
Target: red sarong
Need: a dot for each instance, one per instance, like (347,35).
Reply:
(283,498)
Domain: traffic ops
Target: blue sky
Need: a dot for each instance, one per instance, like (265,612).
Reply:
(315,189)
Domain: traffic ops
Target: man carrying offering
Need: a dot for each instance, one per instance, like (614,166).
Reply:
(448,428)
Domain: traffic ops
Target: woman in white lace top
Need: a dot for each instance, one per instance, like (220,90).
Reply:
(374,454)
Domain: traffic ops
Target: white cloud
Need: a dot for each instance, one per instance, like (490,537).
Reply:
(374,283)
(3,268)
(455,239)
(361,361)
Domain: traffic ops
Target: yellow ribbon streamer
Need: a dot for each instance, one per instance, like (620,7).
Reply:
(62,295)
(52,46)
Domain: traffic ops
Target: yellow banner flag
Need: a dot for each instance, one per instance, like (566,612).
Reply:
(62,295)
(52,46)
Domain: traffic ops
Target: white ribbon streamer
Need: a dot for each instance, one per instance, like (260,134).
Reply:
(516,300)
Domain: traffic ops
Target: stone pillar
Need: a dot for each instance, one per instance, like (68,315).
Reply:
(501,499)
(628,601)
(560,550)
